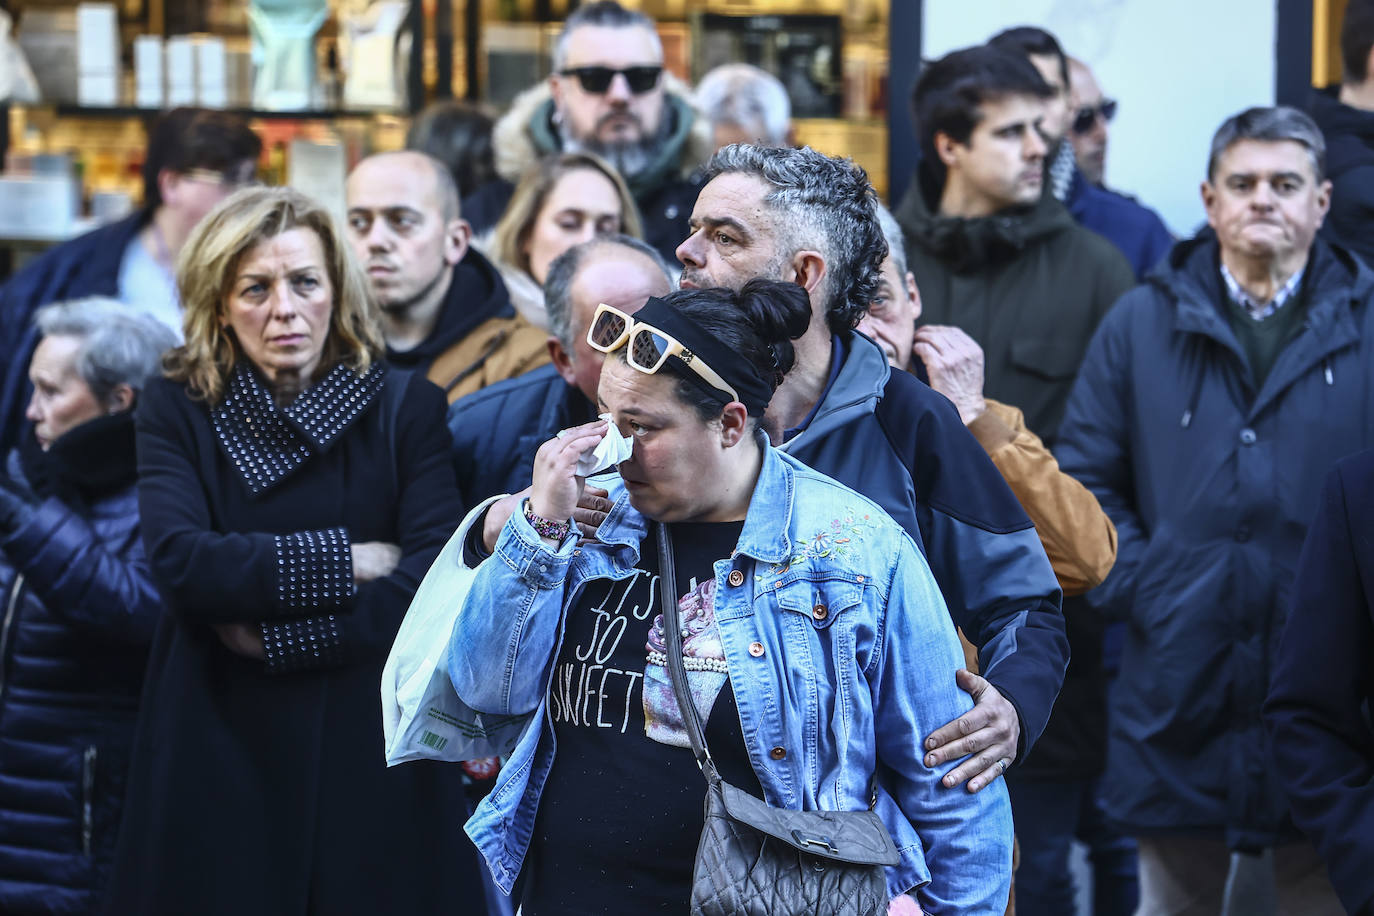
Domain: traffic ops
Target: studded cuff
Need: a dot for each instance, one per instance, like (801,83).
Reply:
(314,569)
(301,645)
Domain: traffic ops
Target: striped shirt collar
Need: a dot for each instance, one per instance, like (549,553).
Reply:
(1261,310)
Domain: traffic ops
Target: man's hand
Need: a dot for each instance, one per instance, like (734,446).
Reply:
(987,734)
(591,511)
(242,639)
(954,364)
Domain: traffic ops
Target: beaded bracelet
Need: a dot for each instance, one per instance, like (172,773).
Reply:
(554,531)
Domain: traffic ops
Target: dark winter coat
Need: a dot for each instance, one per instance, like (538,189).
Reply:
(79,612)
(1323,688)
(85,266)
(478,338)
(1211,484)
(260,787)
(1349,136)
(1029,285)
(497,430)
(1135,229)
(894,440)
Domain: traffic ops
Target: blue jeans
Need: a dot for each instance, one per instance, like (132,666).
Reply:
(1049,816)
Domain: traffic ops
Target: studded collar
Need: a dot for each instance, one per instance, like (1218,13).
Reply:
(266,443)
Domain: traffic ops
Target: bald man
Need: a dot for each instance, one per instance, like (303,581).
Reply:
(1091,113)
(445,311)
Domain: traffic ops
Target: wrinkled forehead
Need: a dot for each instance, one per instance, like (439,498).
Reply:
(1265,159)
(612,46)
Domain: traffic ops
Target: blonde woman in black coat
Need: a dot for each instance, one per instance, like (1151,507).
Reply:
(294,492)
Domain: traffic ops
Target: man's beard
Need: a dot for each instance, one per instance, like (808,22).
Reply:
(631,158)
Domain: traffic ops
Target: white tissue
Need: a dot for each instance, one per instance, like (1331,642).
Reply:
(609,452)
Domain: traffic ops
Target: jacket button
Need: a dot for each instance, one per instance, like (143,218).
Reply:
(1247,436)
(819,612)
(778,753)
(756,649)
(736,578)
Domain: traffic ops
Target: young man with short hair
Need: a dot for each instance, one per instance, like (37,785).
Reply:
(445,311)
(995,255)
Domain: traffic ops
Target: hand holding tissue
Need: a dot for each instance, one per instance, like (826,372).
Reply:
(609,452)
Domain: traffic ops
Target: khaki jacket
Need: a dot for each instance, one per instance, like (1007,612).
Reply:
(1078,537)
(497,349)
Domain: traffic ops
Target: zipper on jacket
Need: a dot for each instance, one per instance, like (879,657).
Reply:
(87,799)
(11,610)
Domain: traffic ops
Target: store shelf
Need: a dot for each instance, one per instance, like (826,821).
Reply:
(67,110)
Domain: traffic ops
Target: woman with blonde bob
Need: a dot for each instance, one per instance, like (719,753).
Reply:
(294,491)
(561,200)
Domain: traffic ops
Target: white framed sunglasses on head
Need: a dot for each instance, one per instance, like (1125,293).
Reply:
(649,347)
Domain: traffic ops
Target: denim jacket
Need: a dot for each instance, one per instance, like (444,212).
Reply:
(872,675)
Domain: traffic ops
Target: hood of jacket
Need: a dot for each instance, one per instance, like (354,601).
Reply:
(966,245)
(1349,131)
(525,133)
(1190,275)
(475,294)
(525,292)
(855,393)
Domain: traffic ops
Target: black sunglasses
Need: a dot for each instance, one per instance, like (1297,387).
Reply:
(598,79)
(1085,119)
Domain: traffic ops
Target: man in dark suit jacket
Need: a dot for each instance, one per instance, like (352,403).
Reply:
(1323,688)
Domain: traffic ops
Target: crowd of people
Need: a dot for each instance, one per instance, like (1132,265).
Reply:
(1001,514)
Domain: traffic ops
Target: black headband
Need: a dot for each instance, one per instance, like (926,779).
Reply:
(755,391)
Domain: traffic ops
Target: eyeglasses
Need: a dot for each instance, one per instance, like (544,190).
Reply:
(649,347)
(597,80)
(1085,119)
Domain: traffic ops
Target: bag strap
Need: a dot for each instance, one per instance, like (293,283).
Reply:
(672,638)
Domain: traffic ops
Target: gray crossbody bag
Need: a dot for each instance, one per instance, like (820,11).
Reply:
(757,860)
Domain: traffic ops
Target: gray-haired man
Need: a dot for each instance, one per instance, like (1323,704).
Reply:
(800,216)
(1210,406)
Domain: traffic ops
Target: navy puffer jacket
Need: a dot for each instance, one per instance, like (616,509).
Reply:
(1211,482)
(79,612)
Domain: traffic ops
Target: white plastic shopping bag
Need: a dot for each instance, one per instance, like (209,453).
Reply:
(422,717)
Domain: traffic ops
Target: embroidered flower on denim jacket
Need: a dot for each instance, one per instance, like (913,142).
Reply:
(832,542)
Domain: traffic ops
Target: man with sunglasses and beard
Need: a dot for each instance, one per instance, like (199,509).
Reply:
(1135,230)
(608,94)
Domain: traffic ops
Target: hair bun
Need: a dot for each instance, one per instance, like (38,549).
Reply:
(779,311)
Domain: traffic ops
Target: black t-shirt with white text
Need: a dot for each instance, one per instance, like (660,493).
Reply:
(621,812)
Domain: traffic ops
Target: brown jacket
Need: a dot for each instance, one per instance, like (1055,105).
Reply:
(1077,535)
(497,349)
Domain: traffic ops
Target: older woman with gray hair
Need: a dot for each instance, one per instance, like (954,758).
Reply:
(79,605)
